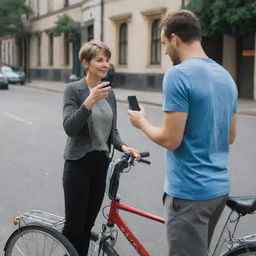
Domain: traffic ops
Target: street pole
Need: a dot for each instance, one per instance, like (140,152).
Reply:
(28,57)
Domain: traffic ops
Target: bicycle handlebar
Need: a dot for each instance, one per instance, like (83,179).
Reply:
(129,158)
(118,166)
(144,154)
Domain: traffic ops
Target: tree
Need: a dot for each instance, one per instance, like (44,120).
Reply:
(232,17)
(14,22)
(13,16)
(65,24)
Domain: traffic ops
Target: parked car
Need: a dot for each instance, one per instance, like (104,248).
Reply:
(3,81)
(13,76)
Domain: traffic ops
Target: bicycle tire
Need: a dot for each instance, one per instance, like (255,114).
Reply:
(106,248)
(38,240)
(246,249)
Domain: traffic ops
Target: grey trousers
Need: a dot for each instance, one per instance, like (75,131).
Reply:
(190,224)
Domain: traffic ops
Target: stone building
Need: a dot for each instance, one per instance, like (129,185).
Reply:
(130,29)
(51,56)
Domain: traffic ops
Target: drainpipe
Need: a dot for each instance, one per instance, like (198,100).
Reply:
(101,18)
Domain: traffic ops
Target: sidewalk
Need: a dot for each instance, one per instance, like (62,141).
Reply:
(245,106)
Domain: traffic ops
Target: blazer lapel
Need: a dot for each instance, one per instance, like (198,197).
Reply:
(83,90)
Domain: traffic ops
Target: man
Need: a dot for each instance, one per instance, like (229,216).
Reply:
(199,123)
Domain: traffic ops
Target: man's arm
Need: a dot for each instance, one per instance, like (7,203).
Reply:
(169,135)
(232,133)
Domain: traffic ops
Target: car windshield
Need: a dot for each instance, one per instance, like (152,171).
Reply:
(7,69)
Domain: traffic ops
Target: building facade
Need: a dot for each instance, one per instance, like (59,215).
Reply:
(131,29)
(51,56)
(8,51)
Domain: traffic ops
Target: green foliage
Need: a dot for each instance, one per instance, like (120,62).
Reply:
(13,14)
(233,17)
(65,24)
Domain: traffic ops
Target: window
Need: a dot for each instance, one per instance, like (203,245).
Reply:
(50,5)
(37,7)
(155,43)
(50,50)
(66,49)
(39,50)
(123,44)
(66,3)
(90,33)
(9,53)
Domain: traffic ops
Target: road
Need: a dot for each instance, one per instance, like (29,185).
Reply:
(31,162)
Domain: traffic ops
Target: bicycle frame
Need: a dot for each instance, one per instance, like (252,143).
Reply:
(115,218)
(231,241)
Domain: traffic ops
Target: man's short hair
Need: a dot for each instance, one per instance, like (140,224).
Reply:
(91,49)
(184,24)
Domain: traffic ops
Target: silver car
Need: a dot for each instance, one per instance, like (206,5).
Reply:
(3,81)
(13,77)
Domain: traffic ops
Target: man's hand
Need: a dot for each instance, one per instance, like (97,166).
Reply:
(137,118)
(98,93)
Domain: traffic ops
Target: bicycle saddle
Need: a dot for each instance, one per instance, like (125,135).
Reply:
(242,204)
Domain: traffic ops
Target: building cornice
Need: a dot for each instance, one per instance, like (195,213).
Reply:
(119,17)
(154,11)
(62,10)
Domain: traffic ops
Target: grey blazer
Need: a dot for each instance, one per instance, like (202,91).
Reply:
(75,116)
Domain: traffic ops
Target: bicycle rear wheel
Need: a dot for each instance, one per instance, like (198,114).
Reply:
(246,249)
(38,240)
(98,248)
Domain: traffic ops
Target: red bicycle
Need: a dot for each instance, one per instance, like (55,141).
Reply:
(103,243)
(227,244)
(39,233)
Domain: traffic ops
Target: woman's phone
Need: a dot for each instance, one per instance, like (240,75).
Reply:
(133,103)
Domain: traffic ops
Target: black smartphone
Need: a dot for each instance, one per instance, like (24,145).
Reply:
(133,103)
(106,85)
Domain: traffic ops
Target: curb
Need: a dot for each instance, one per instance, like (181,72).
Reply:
(251,111)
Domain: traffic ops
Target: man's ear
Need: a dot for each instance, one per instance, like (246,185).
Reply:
(175,39)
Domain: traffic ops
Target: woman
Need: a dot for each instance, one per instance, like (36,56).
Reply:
(90,123)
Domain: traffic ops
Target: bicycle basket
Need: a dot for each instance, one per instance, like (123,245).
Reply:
(112,179)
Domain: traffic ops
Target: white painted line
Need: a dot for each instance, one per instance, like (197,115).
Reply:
(16,117)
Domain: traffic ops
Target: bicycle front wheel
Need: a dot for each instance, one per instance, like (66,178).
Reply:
(246,249)
(38,240)
(100,248)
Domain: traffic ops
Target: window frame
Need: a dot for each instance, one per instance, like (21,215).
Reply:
(155,43)
(39,44)
(50,49)
(123,43)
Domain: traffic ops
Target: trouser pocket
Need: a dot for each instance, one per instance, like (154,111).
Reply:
(163,198)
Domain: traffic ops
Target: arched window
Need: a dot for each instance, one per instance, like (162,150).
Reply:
(155,43)
(123,44)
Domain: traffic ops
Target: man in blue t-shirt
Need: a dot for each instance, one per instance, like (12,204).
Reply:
(199,123)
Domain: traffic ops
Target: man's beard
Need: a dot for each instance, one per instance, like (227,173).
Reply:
(175,58)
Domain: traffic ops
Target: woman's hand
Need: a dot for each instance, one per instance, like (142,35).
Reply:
(98,93)
(133,151)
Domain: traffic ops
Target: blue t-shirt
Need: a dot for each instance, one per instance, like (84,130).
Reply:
(197,169)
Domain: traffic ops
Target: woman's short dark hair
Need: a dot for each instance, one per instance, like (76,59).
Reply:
(91,49)
(184,24)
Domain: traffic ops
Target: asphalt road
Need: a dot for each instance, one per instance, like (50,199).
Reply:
(31,147)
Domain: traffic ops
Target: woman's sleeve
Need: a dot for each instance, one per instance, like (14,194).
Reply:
(116,139)
(74,116)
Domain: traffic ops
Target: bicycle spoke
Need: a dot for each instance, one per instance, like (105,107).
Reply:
(20,250)
(25,244)
(38,244)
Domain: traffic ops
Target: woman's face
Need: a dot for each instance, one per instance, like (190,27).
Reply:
(98,65)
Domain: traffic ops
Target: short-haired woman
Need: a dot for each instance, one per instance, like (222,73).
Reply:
(89,120)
